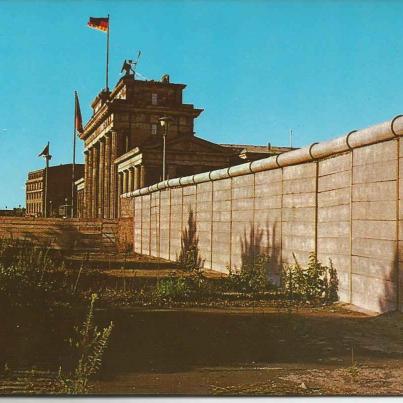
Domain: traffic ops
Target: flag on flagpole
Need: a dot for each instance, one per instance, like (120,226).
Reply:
(45,151)
(78,117)
(101,24)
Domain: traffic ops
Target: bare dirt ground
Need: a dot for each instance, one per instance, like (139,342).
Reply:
(264,350)
(268,352)
(273,380)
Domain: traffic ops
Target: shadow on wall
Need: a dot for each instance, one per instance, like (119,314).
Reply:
(388,298)
(189,256)
(261,242)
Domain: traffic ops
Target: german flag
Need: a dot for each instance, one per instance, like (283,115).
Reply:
(101,24)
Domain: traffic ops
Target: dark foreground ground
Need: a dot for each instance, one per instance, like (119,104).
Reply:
(229,351)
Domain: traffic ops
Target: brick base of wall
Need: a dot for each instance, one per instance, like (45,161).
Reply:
(125,234)
(66,234)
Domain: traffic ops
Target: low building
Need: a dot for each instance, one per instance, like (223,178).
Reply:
(15,212)
(58,191)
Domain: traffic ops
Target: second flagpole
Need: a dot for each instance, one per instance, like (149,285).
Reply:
(107,54)
(73,168)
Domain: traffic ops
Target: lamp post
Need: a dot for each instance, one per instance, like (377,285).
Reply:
(65,207)
(164,122)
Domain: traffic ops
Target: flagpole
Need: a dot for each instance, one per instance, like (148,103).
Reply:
(46,183)
(73,169)
(107,54)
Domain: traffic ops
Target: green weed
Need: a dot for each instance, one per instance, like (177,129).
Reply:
(90,343)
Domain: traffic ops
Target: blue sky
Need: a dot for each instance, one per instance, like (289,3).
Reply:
(258,68)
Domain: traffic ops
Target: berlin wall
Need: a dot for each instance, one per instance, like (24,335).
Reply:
(339,199)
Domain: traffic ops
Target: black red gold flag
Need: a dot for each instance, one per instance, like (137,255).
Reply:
(102,24)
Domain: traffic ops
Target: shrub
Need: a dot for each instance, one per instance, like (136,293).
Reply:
(252,277)
(28,275)
(313,282)
(172,288)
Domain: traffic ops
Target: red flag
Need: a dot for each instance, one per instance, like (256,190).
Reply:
(102,24)
(79,119)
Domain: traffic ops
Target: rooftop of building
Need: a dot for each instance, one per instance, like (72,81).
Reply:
(257,149)
(254,152)
(36,173)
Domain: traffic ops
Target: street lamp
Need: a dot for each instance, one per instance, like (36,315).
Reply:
(65,207)
(164,122)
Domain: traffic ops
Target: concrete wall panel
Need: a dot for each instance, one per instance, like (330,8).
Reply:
(335,164)
(378,172)
(334,181)
(334,197)
(375,153)
(299,171)
(340,229)
(374,229)
(378,191)
(299,185)
(268,178)
(374,210)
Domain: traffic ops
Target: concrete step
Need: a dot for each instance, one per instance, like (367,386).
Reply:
(103,260)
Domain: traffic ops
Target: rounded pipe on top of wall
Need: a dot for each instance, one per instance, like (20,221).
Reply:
(372,135)
(143,191)
(294,157)
(264,164)
(348,139)
(202,177)
(326,148)
(173,182)
(220,174)
(239,170)
(277,164)
(153,188)
(396,125)
(310,150)
(186,180)
(354,139)
(162,185)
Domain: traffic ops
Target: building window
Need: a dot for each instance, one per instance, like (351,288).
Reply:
(154,128)
(154,99)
